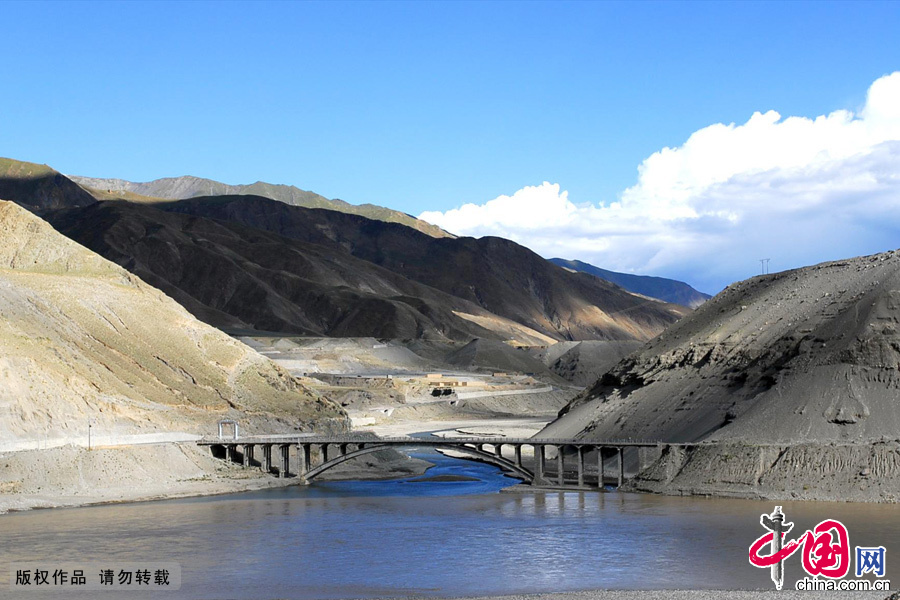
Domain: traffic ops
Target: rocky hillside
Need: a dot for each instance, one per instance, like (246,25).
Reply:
(500,276)
(767,371)
(39,187)
(180,188)
(249,262)
(81,338)
(237,277)
(667,290)
(583,362)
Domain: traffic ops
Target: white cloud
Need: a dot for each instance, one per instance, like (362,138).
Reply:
(795,189)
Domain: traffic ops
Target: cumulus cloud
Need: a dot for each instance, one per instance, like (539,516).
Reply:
(797,190)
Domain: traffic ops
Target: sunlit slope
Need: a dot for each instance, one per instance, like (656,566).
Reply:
(81,338)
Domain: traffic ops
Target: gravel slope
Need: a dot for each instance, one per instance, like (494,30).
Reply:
(785,373)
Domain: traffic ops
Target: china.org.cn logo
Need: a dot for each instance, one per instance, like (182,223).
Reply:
(825,553)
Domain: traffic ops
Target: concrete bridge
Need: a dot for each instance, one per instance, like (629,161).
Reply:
(578,464)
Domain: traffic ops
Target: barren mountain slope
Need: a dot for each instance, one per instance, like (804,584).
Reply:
(234,276)
(501,276)
(583,362)
(791,381)
(179,188)
(81,338)
(519,296)
(497,356)
(38,186)
(809,355)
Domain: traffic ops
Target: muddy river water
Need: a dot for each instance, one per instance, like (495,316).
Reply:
(441,539)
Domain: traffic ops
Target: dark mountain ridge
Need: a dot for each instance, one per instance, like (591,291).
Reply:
(233,276)
(667,290)
(39,187)
(187,186)
(498,275)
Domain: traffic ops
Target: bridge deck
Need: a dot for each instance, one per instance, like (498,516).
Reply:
(409,441)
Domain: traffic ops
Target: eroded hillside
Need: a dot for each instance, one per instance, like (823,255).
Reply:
(82,338)
(498,275)
(767,371)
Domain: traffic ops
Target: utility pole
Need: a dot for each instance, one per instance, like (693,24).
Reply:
(764,265)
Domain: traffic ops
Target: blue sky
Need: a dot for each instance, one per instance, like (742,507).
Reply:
(429,106)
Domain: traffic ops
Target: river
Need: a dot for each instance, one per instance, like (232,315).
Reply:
(441,539)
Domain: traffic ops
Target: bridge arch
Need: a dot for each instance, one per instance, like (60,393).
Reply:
(488,457)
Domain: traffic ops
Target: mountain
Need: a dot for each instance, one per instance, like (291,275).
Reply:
(82,338)
(180,188)
(498,275)
(667,290)
(780,375)
(237,277)
(491,354)
(583,362)
(39,187)
(249,262)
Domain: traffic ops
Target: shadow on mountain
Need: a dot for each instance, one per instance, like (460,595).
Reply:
(498,275)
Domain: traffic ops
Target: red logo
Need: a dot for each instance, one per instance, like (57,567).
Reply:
(826,548)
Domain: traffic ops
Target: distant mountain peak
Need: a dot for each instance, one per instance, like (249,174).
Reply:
(667,290)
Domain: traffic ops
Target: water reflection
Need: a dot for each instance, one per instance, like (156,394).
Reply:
(377,539)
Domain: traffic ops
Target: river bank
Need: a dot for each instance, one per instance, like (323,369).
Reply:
(833,472)
(73,475)
(76,476)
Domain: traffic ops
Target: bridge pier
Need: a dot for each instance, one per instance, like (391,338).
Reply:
(560,471)
(621,467)
(229,452)
(302,459)
(518,451)
(543,459)
(539,465)
(284,470)
(248,454)
(267,458)
(601,470)
(580,454)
